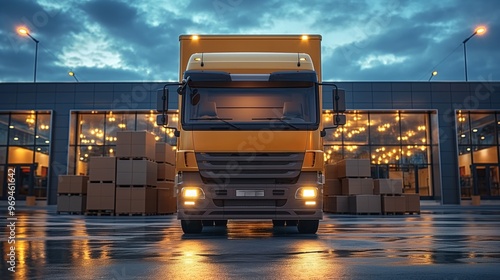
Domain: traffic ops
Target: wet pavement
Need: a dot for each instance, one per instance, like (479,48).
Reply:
(443,242)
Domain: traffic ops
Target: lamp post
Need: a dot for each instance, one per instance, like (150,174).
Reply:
(434,73)
(25,31)
(479,31)
(72,74)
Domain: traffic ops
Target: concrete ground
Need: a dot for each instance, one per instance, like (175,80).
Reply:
(443,242)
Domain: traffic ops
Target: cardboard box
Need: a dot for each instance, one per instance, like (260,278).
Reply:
(72,184)
(387,186)
(331,171)
(124,178)
(347,168)
(364,168)
(332,187)
(166,171)
(144,200)
(101,196)
(355,186)
(93,203)
(365,204)
(102,169)
(143,138)
(71,203)
(64,183)
(123,200)
(123,138)
(77,203)
(393,204)
(164,153)
(351,167)
(336,204)
(102,163)
(123,151)
(79,184)
(63,203)
(166,203)
(412,203)
(165,185)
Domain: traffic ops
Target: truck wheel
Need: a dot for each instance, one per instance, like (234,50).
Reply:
(208,223)
(291,223)
(308,226)
(278,223)
(191,226)
(221,223)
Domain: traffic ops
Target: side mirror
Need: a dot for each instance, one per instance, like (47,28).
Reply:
(162,120)
(338,99)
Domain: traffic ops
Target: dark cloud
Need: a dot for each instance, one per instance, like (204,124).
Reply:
(138,40)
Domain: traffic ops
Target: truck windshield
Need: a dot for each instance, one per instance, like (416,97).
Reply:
(251,106)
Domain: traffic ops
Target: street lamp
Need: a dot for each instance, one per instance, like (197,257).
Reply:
(24,31)
(479,31)
(434,73)
(72,74)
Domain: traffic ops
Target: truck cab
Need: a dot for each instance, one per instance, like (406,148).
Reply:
(249,140)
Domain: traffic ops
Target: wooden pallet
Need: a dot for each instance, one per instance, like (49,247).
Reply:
(136,214)
(100,213)
(393,213)
(70,212)
(102,182)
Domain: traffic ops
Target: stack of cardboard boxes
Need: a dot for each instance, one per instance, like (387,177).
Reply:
(72,194)
(136,173)
(349,189)
(165,159)
(102,185)
(391,191)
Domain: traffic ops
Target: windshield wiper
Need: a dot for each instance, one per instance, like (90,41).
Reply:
(225,120)
(277,119)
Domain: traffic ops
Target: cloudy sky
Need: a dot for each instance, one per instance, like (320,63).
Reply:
(363,40)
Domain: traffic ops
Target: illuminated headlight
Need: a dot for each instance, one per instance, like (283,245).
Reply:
(306,192)
(193,193)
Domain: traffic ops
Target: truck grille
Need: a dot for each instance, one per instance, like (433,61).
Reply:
(249,168)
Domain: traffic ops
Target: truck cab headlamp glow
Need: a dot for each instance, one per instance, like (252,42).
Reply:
(306,193)
(193,193)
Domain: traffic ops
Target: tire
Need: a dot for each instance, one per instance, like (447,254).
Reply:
(278,223)
(221,223)
(208,223)
(308,226)
(191,226)
(291,223)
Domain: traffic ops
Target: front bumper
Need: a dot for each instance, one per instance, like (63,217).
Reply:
(248,201)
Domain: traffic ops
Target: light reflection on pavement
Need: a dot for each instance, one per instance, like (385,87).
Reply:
(443,242)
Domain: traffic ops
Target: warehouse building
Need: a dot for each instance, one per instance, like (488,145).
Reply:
(441,138)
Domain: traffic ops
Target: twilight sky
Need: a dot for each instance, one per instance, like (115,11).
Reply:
(363,40)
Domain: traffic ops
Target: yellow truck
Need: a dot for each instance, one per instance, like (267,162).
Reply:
(250,129)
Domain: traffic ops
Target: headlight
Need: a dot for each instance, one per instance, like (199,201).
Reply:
(306,192)
(193,193)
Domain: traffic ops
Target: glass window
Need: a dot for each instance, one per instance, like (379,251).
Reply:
(333,153)
(463,129)
(3,155)
(385,154)
(97,133)
(413,129)
(483,129)
(91,129)
(146,121)
(43,129)
(4,126)
(384,128)
(255,105)
(22,129)
(355,130)
(354,151)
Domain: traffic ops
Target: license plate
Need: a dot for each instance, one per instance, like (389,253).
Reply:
(249,193)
